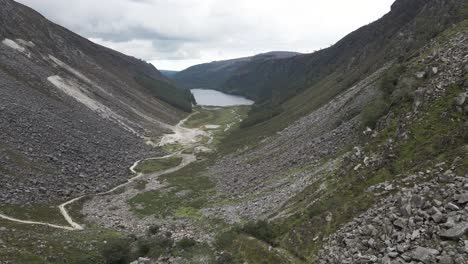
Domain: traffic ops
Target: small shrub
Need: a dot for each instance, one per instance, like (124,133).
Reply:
(153,230)
(261,230)
(154,247)
(372,112)
(116,251)
(224,240)
(186,243)
(141,185)
(404,91)
(390,80)
(225,258)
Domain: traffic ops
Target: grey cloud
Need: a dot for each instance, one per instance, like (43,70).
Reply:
(135,32)
(179,32)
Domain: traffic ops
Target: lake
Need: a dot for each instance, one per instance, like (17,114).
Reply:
(216,98)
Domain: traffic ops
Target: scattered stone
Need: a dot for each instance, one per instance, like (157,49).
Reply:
(425,255)
(415,235)
(462,198)
(461,99)
(457,231)
(437,216)
(445,260)
(420,75)
(142,260)
(453,207)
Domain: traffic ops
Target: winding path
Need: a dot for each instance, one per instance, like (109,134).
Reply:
(181,135)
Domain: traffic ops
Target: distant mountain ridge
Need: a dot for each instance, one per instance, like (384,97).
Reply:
(214,74)
(168,73)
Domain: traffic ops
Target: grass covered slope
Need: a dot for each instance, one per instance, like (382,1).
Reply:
(155,165)
(177,97)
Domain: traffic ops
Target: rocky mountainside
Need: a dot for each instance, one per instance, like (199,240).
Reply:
(73,114)
(214,75)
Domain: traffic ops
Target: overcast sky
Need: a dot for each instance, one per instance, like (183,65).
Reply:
(175,34)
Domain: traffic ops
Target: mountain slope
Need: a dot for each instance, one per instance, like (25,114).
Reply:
(213,75)
(328,189)
(288,89)
(65,103)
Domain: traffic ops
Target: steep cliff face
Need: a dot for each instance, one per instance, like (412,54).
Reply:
(73,114)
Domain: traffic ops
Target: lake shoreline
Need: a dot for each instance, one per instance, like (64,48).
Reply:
(209,97)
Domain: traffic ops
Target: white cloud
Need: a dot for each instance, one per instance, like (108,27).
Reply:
(176,33)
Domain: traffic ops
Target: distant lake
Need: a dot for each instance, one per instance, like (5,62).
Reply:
(216,98)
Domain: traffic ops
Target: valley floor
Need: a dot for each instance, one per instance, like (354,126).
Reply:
(28,233)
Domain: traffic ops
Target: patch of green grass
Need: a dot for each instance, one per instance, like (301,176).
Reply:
(37,212)
(171,148)
(227,118)
(188,212)
(156,165)
(126,249)
(251,250)
(194,252)
(201,118)
(154,203)
(440,131)
(219,116)
(41,245)
(460,27)
(167,201)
